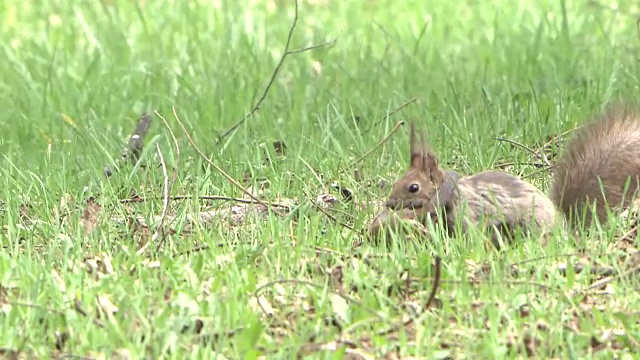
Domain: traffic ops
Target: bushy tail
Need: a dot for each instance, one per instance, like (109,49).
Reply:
(601,164)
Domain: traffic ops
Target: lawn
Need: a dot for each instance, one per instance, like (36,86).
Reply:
(168,258)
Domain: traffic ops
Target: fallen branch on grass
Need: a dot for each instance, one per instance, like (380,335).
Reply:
(131,153)
(138,199)
(607,280)
(236,214)
(332,218)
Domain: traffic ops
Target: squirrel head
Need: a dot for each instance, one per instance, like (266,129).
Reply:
(419,184)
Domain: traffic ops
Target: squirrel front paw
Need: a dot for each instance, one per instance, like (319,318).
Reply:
(400,222)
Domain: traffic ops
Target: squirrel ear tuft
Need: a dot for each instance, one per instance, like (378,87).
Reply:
(417,152)
(421,157)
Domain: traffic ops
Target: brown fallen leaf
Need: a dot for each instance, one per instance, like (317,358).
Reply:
(121,354)
(100,265)
(25,210)
(261,304)
(90,215)
(139,231)
(327,200)
(65,205)
(59,281)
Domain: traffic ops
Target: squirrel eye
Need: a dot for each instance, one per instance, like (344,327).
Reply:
(414,188)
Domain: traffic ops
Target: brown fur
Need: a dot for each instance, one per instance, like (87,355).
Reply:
(503,202)
(605,149)
(495,199)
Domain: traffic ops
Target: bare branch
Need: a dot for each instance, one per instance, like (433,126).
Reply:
(393,112)
(222,172)
(540,155)
(380,143)
(286,53)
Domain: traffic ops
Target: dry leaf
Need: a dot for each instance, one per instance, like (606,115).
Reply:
(65,204)
(59,281)
(261,304)
(121,354)
(139,231)
(340,307)
(106,304)
(317,67)
(326,200)
(100,265)
(90,215)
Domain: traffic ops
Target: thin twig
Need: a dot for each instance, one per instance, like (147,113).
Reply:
(76,307)
(548,143)
(216,167)
(316,286)
(562,134)
(203,197)
(194,250)
(286,53)
(75,357)
(393,112)
(312,47)
(212,338)
(605,281)
(330,251)
(168,184)
(165,203)
(331,216)
(434,290)
(540,155)
(525,261)
(174,173)
(528,283)
(507,164)
(537,172)
(423,31)
(436,283)
(380,143)
(627,234)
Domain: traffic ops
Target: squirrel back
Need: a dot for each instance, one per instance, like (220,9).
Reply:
(604,151)
(495,199)
(504,199)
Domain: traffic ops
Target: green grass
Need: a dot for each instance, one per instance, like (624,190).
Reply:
(76,76)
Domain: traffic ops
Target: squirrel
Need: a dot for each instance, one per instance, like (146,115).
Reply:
(604,151)
(495,199)
(599,167)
